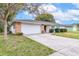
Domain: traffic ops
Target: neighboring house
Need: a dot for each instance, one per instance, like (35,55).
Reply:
(73,27)
(70,27)
(31,26)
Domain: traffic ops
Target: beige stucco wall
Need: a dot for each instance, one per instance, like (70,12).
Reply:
(42,29)
(47,28)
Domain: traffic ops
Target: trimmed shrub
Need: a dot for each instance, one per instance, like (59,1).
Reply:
(19,34)
(57,30)
(63,30)
(51,30)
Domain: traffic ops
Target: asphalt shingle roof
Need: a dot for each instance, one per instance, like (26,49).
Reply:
(35,22)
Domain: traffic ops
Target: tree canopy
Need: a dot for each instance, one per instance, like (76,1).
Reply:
(45,17)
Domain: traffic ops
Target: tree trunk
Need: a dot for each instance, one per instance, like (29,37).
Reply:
(5,30)
(5,36)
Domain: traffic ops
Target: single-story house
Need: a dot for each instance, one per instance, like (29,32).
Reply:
(70,27)
(31,26)
(73,27)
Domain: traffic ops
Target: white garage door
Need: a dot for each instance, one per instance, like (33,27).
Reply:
(30,29)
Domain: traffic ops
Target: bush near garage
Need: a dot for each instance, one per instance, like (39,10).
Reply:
(51,30)
(57,30)
(18,34)
(63,30)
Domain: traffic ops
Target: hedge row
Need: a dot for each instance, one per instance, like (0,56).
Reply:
(57,30)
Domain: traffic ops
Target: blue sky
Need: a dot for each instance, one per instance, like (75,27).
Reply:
(64,13)
(24,15)
(65,6)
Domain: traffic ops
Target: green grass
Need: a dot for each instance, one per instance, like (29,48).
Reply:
(69,34)
(22,46)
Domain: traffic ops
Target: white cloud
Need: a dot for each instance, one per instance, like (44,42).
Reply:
(75,18)
(59,15)
(67,15)
(59,22)
(48,8)
(73,12)
(26,13)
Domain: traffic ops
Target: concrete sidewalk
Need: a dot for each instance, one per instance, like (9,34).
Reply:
(63,46)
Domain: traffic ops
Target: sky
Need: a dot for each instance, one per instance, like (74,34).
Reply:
(64,13)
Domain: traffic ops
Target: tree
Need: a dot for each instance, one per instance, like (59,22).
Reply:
(45,17)
(6,10)
(10,22)
(9,10)
(33,8)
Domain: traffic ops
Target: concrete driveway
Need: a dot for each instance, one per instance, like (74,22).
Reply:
(63,46)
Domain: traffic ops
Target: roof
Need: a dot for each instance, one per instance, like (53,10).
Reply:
(35,22)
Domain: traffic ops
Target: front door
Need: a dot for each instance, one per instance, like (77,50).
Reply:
(45,28)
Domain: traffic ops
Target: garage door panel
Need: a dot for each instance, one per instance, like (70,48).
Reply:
(30,29)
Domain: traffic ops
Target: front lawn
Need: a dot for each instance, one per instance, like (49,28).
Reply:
(22,46)
(69,34)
